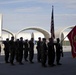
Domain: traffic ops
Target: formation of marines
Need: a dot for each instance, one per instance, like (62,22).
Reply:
(46,51)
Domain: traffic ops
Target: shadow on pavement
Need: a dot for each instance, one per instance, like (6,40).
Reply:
(68,67)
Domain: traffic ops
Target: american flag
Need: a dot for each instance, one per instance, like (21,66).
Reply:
(52,25)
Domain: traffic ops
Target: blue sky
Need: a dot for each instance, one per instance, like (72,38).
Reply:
(18,14)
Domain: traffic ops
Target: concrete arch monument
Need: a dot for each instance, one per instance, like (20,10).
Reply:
(8,32)
(43,31)
(59,33)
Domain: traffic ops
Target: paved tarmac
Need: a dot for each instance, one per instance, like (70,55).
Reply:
(68,67)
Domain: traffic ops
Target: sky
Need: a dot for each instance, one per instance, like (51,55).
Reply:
(20,14)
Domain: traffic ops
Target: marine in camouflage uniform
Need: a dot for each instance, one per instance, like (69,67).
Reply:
(39,44)
(51,52)
(17,50)
(26,49)
(44,53)
(31,50)
(21,42)
(6,50)
(12,50)
(59,51)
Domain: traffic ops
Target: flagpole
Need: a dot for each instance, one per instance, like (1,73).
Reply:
(63,39)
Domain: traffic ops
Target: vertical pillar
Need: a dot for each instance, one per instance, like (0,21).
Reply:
(62,38)
(2,46)
(1,22)
(32,35)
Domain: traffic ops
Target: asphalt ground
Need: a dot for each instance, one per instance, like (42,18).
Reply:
(68,66)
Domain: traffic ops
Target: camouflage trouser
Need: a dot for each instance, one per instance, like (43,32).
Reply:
(31,55)
(6,56)
(25,54)
(20,56)
(43,58)
(38,55)
(12,55)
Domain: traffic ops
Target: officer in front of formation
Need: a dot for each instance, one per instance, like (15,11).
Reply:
(51,52)
(39,46)
(26,49)
(44,53)
(59,51)
(12,50)
(31,50)
(6,49)
(21,50)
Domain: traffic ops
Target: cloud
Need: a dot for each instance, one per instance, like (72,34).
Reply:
(15,22)
(68,15)
(55,1)
(14,1)
(67,3)
(71,6)
(42,1)
(14,19)
(65,20)
(29,10)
